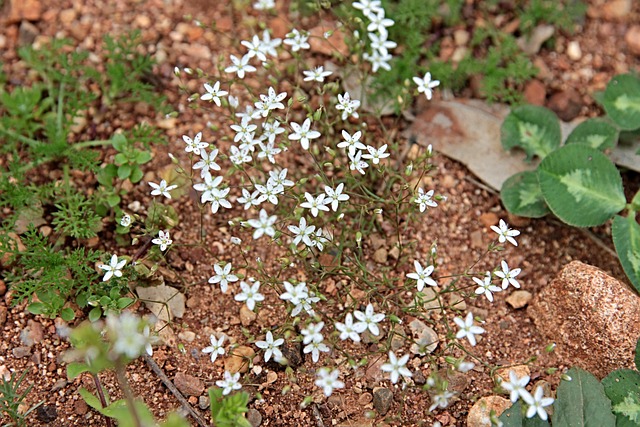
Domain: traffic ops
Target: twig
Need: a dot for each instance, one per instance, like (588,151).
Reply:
(167,382)
(317,415)
(103,400)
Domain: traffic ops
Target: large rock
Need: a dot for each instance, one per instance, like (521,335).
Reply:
(592,318)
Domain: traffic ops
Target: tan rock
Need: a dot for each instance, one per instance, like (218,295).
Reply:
(239,359)
(519,299)
(247,317)
(188,384)
(535,92)
(27,10)
(592,318)
(520,371)
(327,40)
(479,414)
(632,38)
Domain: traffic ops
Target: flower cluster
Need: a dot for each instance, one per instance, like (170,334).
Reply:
(536,402)
(377,33)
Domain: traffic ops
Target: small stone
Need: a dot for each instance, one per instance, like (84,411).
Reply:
(382,399)
(461,37)
(532,43)
(80,407)
(377,241)
(480,412)
(398,339)
(519,299)
(239,359)
(488,219)
(3,314)
(457,302)
(27,33)
(142,21)
(20,352)
(67,16)
(573,50)
(426,339)
(477,239)
(59,385)
(535,92)
(32,334)
(394,252)
(19,10)
(292,352)
(364,399)
(566,104)
(254,417)
(615,9)
(188,384)
(334,43)
(380,256)
(418,378)
(46,413)
(517,221)
(247,317)
(632,38)
(187,336)
(373,373)
(198,51)
(203,402)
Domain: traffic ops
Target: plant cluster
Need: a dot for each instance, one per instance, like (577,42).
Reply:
(576,181)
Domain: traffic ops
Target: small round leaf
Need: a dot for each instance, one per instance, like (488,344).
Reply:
(622,101)
(595,133)
(521,195)
(581,185)
(626,239)
(534,129)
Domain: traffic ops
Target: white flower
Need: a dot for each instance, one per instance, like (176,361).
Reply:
(426,85)
(328,381)
(356,163)
(238,156)
(349,330)
(312,333)
(213,93)
(249,199)
(229,383)
(194,145)
(271,347)
(269,46)
(516,386)
(367,6)
(207,162)
(269,192)
(270,130)
(295,295)
(163,240)
(126,331)
(536,403)
(441,399)
(424,199)
(297,40)
(486,287)
(396,367)
(467,329)
(348,106)
(223,276)
(378,60)
(334,196)
(303,133)
(218,198)
(250,294)
(369,319)
(505,233)
(240,66)
(215,348)
(280,178)
(376,154)
(318,74)
(302,232)
(271,101)
(161,188)
(269,151)
(351,142)
(244,130)
(125,221)
(315,204)
(264,5)
(378,21)
(315,348)
(380,43)
(255,48)
(113,269)
(210,183)
(508,276)
(422,275)
(263,225)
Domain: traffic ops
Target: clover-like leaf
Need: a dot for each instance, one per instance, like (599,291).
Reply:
(596,133)
(534,129)
(521,195)
(581,185)
(626,239)
(622,101)
(618,386)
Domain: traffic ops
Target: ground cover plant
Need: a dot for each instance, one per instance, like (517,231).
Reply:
(301,176)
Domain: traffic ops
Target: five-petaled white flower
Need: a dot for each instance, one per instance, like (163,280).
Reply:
(505,233)
(508,276)
(263,225)
(328,381)
(297,40)
(270,347)
(375,154)
(315,204)
(426,85)
(378,22)
(356,162)
(213,93)
(264,5)
(334,196)
(223,276)
(303,133)
(516,386)
(318,74)
(467,329)
(425,199)
(422,275)
(367,6)
(369,319)
(163,240)
(396,367)
(350,330)
(348,106)
(303,232)
(194,145)
(240,66)
(114,268)
(351,142)
(162,189)
(215,348)
(440,399)
(536,403)
(207,162)
(486,287)
(255,48)
(250,294)
(229,383)
(315,348)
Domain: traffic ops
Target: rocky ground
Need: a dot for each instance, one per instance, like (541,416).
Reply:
(607,43)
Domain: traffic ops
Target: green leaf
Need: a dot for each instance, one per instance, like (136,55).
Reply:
(629,408)
(635,202)
(120,159)
(626,239)
(622,101)
(95,314)
(67,314)
(142,157)
(119,142)
(534,129)
(618,385)
(136,175)
(90,399)
(175,420)
(521,195)
(582,402)
(75,369)
(596,133)
(514,417)
(124,171)
(113,200)
(637,357)
(581,185)
(124,302)
(36,308)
